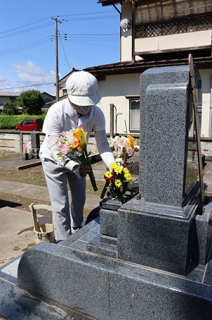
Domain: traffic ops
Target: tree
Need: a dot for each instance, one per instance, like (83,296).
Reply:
(31,101)
(9,108)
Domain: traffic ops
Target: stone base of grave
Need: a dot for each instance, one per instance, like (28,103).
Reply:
(85,274)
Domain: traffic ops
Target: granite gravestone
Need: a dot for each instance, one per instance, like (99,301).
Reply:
(159,230)
(135,265)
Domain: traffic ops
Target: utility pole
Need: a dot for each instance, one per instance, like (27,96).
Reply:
(56,57)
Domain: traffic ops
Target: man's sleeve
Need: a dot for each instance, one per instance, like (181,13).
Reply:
(104,148)
(99,121)
(52,125)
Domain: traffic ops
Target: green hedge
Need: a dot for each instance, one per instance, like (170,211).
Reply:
(10,122)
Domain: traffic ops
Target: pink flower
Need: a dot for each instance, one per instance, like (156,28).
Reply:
(64,148)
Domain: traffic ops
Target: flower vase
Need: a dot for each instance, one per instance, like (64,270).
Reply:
(111,195)
(25,156)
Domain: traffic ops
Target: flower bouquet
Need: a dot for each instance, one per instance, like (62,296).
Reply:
(123,148)
(116,181)
(73,146)
(27,146)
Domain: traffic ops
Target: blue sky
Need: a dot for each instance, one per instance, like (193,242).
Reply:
(27,42)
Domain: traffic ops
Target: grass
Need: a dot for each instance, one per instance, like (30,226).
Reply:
(191,175)
(34,176)
(5,154)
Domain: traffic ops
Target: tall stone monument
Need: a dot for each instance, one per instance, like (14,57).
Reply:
(160,226)
(150,257)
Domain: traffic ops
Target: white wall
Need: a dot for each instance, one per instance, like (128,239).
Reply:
(116,87)
(174,41)
(113,90)
(126,37)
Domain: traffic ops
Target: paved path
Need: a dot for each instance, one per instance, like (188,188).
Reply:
(18,163)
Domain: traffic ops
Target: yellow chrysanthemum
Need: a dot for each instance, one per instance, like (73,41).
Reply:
(126,170)
(118,183)
(131,181)
(127,176)
(108,174)
(118,169)
(113,166)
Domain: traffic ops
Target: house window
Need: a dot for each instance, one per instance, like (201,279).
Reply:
(64,92)
(134,115)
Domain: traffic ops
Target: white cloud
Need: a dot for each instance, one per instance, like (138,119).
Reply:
(4,84)
(31,77)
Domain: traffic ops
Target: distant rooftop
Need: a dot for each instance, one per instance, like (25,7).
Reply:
(9,94)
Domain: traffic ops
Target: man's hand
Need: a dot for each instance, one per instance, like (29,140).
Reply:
(84,170)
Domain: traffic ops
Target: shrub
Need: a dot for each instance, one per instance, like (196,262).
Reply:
(9,108)
(10,122)
(32,101)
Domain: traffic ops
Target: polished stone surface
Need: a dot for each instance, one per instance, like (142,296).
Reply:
(163,134)
(154,240)
(203,225)
(17,303)
(109,220)
(106,249)
(109,288)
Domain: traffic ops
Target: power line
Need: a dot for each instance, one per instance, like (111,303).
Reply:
(65,54)
(92,34)
(93,39)
(32,85)
(74,14)
(86,13)
(91,18)
(26,30)
(95,44)
(23,26)
(48,24)
(29,45)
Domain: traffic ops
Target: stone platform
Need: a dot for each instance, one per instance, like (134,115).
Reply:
(19,304)
(107,288)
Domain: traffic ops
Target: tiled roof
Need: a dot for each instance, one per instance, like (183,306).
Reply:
(9,94)
(132,67)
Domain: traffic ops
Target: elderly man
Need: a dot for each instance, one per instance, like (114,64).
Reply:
(78,110)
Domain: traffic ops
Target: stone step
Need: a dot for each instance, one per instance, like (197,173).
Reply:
(105,249)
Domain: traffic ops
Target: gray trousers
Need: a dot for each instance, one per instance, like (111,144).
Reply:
(64,218)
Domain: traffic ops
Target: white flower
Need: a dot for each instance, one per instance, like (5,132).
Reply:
(119,161)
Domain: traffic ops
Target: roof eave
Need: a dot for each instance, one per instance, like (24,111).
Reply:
(108,2)
(115,69)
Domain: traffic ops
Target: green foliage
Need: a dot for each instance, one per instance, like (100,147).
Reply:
(32,102)
(9,108)
(10,122)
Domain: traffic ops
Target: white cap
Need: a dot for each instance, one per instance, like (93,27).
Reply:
(82,89)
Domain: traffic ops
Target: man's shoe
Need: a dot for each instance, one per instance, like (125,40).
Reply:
(75,229)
